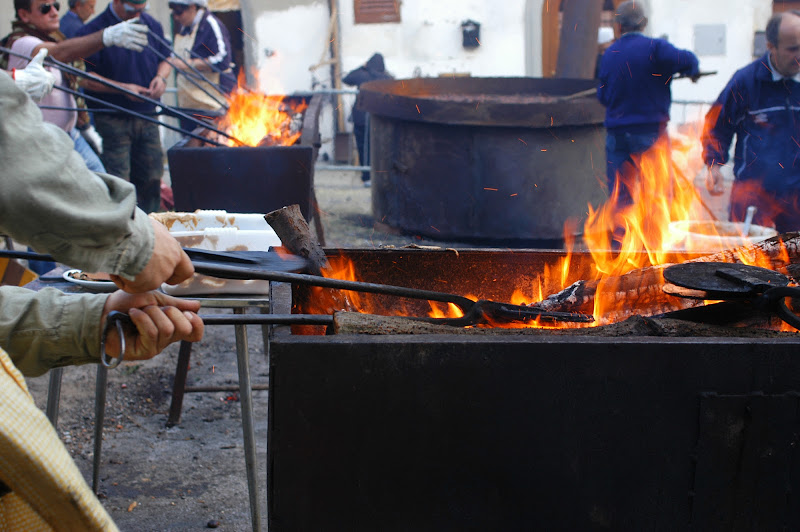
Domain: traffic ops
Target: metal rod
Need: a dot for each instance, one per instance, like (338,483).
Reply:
(140,117)
(54,395)
(248,426)
(195,55)
(78,72)
(100,387)
(191,79)
(267,319)
(333,167)
(189,110)
(231,388)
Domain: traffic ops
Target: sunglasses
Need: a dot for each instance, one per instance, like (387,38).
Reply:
(45,8)
(131,9)
(178,9)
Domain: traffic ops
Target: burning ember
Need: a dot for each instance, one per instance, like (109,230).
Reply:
(258,119)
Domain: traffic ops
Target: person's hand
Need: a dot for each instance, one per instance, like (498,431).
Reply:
(34,79)
(168,264)
(94,139)
(138,89)
(128,34)
(159,319)
(157,87)
(715,183)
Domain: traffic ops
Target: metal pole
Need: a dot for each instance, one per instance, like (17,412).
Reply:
(577,50)
(191,79)
(195,55)
(141,116)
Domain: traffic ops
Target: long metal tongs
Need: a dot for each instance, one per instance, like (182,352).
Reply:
(234,265)
(272,266)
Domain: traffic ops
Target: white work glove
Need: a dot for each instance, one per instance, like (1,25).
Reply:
(34,79)
(94,139)
(128,34)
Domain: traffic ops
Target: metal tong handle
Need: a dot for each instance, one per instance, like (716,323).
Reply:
(775,298)
(465,304)
(120,320)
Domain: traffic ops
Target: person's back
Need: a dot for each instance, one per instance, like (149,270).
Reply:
(635,77)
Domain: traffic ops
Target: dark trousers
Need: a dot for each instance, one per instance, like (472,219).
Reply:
(620,167)
(360,132)
(132,150)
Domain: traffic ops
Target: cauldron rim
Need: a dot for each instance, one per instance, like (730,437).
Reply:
(416,100)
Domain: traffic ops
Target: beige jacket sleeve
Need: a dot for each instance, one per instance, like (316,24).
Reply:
(49,329)
(52,202)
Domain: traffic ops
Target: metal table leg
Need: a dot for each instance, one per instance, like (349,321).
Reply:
(54,395)
(179,385)
(100,387)
(248,429)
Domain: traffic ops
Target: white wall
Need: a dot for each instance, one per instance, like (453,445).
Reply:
(429,39)
(676,19)
(290,41)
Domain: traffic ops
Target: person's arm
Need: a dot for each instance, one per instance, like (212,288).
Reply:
(159,83)
(126,34)
(211,48)
(34,79)
(49,329)
(356,77)
(96,86)
(676,61)
(718,132)
(53,203)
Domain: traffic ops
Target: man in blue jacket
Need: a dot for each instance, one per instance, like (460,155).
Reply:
(761,106)
(634,85)
(131,146)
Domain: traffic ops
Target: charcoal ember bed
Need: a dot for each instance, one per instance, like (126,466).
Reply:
(453,432)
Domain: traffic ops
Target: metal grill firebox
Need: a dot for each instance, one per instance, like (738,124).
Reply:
(454,432)
(248,179)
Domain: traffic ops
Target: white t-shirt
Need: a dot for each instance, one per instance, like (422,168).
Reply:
(64,119)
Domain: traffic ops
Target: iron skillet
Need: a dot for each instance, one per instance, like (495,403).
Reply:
(766,289)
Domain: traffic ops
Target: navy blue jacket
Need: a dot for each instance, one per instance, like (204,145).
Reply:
(123,65)
(635,77)
(212,42)
(765,117)
(69,24)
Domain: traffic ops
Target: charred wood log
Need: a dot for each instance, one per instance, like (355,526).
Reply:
(295,234)
(642,290)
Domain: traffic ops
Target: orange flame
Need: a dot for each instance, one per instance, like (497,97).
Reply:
(260,119)
(623,237)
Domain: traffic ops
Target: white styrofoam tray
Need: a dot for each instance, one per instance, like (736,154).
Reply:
(224,238)
(205,219)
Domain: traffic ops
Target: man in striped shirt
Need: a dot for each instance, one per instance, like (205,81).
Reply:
(204,43)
